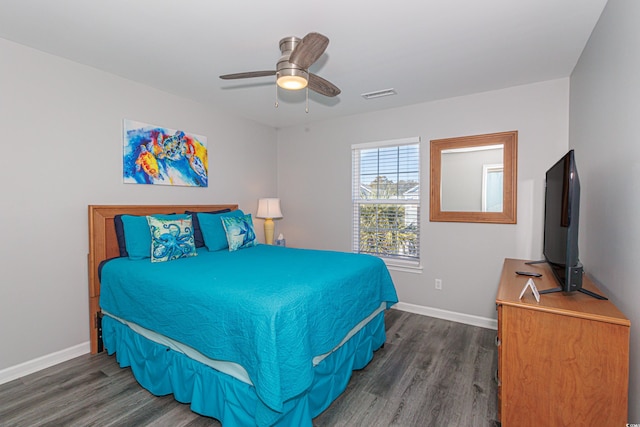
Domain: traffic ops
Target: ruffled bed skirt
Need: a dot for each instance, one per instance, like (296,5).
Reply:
(163,371)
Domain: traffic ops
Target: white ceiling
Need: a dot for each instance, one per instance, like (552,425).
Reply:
(424,49)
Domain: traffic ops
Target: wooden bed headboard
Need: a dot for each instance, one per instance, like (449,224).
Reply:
(103,245)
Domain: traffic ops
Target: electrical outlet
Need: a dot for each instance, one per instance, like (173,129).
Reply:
(439,284)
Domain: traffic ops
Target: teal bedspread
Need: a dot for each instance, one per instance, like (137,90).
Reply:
(270,309)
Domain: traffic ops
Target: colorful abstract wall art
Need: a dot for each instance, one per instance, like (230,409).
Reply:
(156,155)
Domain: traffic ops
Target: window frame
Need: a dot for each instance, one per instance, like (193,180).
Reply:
(397,262)
(488,169)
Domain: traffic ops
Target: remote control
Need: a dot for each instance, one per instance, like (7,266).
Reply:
(528,273)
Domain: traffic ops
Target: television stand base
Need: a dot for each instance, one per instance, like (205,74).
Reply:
(592,294)
(584,291)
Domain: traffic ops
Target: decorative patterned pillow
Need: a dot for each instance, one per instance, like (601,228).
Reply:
(171,238)
(240,233)
(135,235)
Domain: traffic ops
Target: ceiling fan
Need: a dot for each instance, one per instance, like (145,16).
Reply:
(292,69)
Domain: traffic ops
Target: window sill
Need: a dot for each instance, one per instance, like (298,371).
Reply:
(406,267)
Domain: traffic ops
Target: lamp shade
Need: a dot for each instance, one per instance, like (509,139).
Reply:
(269,208)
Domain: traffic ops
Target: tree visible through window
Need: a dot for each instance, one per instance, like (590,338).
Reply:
(386,199)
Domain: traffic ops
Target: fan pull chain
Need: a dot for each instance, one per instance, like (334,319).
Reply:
(276,106)
(306,108)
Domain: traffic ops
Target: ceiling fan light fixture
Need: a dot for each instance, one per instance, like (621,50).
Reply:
(292,69)
(292,79)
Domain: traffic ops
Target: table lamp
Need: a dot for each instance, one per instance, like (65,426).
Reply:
(269,208)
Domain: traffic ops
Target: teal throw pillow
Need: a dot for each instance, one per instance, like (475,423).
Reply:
(171,238)
(137,236)
(215,238)
(239,231)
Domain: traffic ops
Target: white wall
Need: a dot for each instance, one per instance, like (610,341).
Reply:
(604,112)
(314,184)
(61,141)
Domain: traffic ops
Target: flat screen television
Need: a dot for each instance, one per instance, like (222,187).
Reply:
(561,218)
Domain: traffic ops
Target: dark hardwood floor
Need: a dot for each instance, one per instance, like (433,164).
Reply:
(431,372)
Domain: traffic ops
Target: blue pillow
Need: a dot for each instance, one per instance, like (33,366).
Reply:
(197,232)
(137,234)
(239,231)
(171,239)
(215,238)
(122,244)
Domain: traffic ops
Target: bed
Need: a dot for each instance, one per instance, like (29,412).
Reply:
(262,335)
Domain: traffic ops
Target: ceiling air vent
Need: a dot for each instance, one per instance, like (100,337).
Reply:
(379,93)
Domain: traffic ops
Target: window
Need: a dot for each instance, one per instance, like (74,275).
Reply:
(386,199)
(492,188)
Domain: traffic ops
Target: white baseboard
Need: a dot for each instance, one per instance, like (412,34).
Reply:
(469,319)
(31,366)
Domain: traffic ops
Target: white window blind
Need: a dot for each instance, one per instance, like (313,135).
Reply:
(386,199)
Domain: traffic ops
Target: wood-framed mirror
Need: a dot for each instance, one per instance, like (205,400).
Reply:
(474,178)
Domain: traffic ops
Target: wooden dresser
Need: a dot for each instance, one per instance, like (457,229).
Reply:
(563,361)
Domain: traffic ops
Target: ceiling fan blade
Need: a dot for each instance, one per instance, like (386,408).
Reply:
(248,74)
(322,86)
(310,48)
